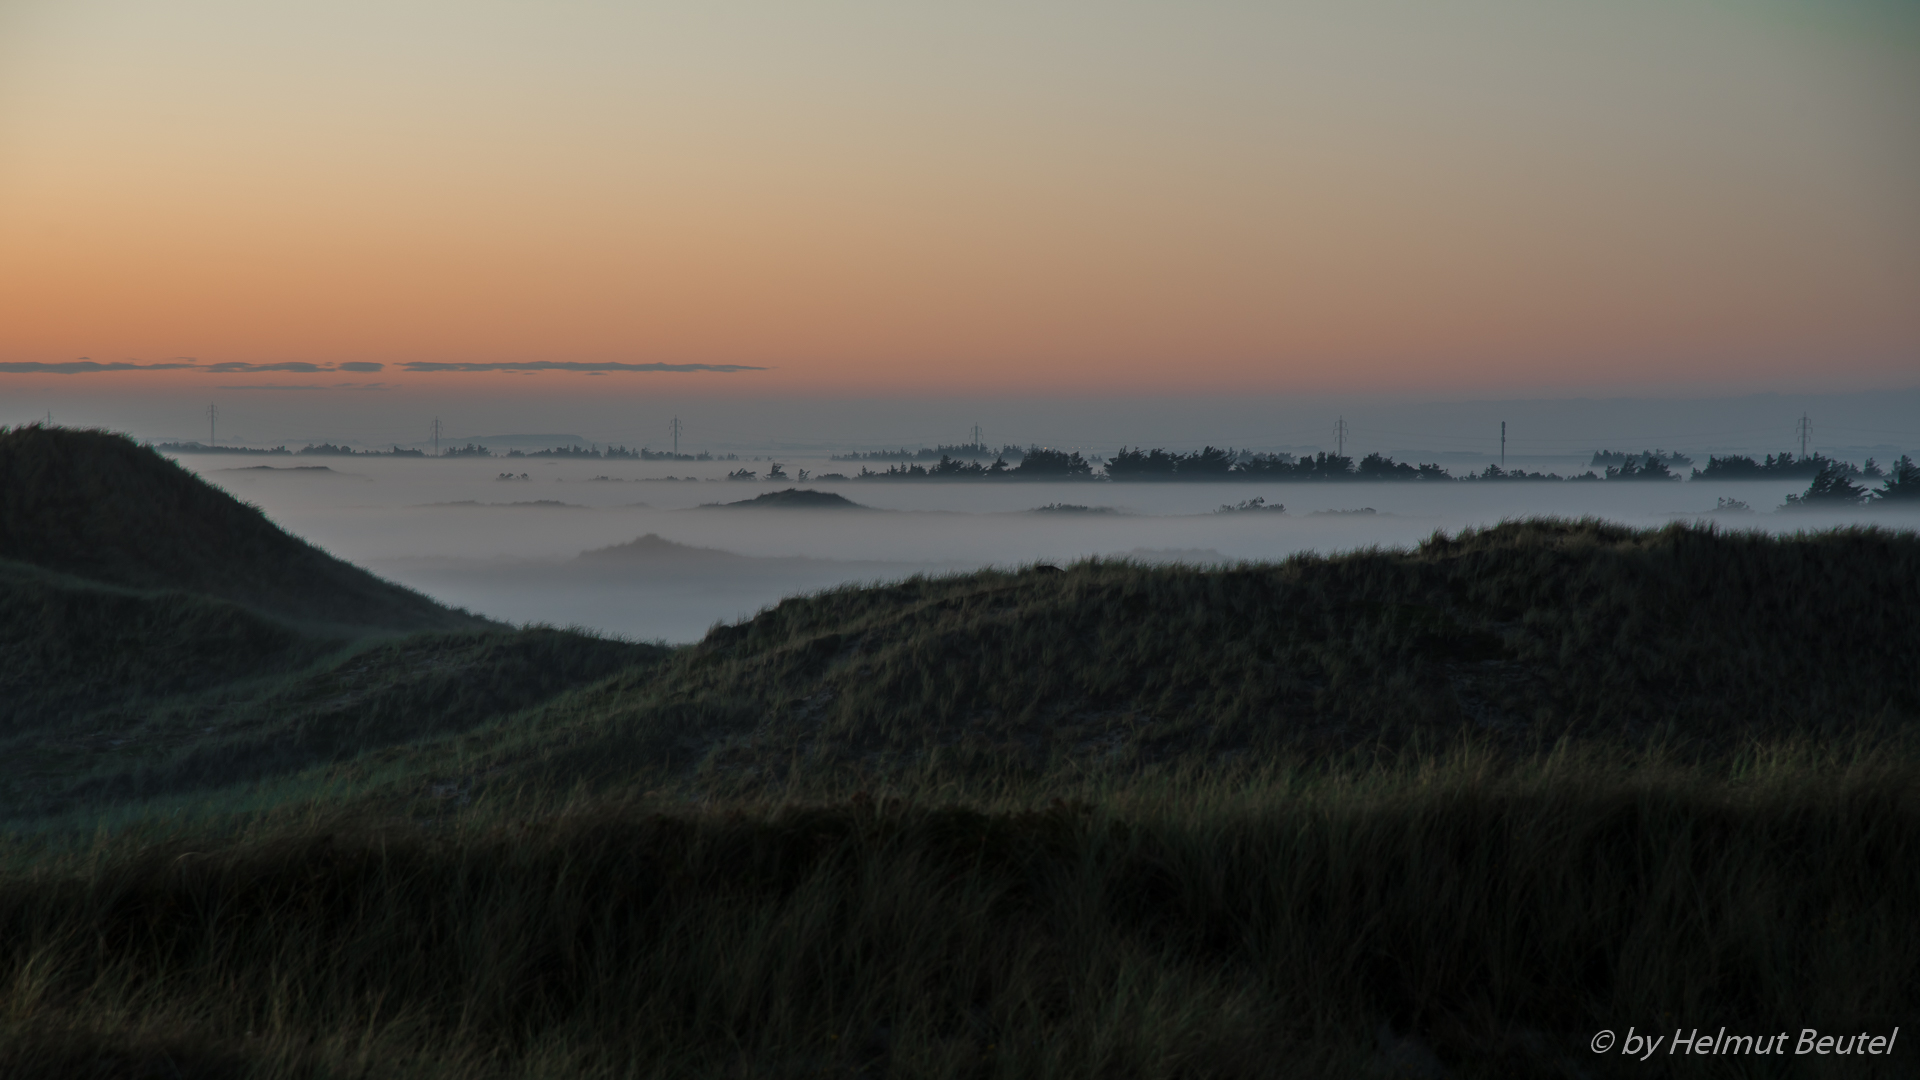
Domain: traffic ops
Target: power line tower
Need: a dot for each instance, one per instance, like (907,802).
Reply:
(436,436)
(977,444)
(676,436)
(1503,444)
(1340,435)
(1806,433)
(213,415)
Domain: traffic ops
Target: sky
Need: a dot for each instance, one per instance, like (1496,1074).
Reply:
(376,206)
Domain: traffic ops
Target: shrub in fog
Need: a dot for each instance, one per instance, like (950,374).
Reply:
(1902,485)
(1830,487)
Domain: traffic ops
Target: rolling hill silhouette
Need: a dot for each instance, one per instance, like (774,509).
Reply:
(655,549)
(797,499)
(97,506)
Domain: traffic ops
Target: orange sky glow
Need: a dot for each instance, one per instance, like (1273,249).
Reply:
(1010,199)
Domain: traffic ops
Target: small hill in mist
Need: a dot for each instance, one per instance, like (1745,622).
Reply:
(798,499)
(97,506)
(654,549)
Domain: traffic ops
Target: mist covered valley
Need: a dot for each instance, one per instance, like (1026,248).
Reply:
(661,550)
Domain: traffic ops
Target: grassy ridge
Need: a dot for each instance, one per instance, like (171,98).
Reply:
(1454,920)
(1521,635)
(160,639)
(352,704)
(1517,637)
(1132,821)
(71,648)
(97,506)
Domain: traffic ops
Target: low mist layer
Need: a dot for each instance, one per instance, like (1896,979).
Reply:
(502,536)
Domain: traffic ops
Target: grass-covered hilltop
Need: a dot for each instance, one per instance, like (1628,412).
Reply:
(1441,812)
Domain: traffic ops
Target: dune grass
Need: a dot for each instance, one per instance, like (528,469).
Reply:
(1445,811)
(1441,915)
(96,505)
(1701,641)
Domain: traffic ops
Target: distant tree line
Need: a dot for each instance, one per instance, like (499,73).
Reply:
(1620,457)
(1213,463)
(1035,463)
(320,448)
(202,448)
(1782,466)
(1136,465)
(961,451)
(1833,487)
(607,453)
(1495,472)
(1649,468)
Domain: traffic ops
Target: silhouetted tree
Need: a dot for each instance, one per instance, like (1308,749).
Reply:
(1039,462)
(1381,467)
(1650,468)
(1830,487)
(1264,467)
(1902,484)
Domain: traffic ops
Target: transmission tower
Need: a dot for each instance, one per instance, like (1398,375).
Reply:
(213,414)
(977,444)
(1806,433)
(436,436)
(1503,444)
(1340,435)
(676,436)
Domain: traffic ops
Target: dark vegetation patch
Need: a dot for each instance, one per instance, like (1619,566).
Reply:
(1521,634)
(354,703)
(1439,812)
(798,499)
(98,506)
(69,647)
(1486,924)
(1072,508)
(176,641)
(1256,505)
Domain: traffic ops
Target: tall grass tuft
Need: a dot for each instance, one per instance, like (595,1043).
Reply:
(1457,913)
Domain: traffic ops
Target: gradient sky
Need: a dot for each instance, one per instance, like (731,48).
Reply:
(841,198)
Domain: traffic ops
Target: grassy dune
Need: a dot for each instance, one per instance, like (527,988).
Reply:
(1459,919)
(1439,812)
(1702,643)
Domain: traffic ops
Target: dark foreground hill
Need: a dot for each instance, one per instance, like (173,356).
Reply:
(95,505)
(1447,812)
(1694,639)
(1700,642)
(159,637)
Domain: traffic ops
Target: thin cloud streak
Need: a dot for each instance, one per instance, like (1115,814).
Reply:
(302,386)
(82,367)
(571,365)
(228,367)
